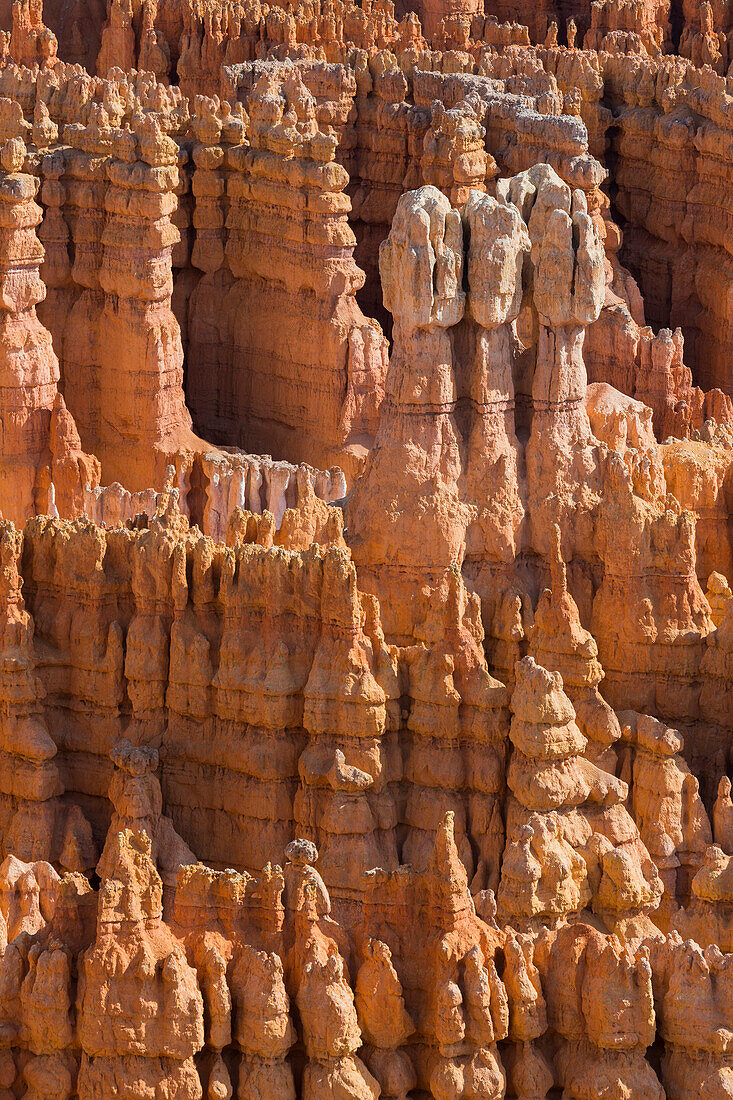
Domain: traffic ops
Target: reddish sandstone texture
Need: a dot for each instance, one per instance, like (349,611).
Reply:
(366,606)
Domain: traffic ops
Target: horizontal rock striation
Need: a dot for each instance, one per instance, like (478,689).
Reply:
(366,608)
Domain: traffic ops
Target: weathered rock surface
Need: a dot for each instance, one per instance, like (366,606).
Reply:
(375,740)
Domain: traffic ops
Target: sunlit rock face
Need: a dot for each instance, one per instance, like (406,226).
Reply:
(365,565)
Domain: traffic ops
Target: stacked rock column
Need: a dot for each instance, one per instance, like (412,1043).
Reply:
(543,880)
(564,290)
(149,971)
(145,422)
(29,369)
(34,824)
(317,399)
(85,176)
(421,264)
(209,319)
(455,757)
(346,801)
(493,482)
(61,291)
(29,372)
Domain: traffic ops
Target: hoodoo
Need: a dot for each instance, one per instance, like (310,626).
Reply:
(366,550)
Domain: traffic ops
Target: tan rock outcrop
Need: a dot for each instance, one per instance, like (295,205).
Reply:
(693,1020)
(142,377)
(39,444)
(288,156)
(117,47)
(438,684)
(570,841)
(665,803)
(137,800)
(149,969)
(559,643)
(602,1043)
(422,273)
(656,105)
(36,822)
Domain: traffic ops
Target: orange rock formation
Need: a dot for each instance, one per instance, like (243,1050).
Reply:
(366,478)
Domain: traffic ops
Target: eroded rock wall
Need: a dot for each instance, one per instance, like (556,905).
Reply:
(393,760)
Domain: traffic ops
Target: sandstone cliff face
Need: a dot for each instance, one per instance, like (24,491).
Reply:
(681,108)
(325,408)
(416,991)
(527,415)
(99,292)
(393,760)
(40,445)
(126,270)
